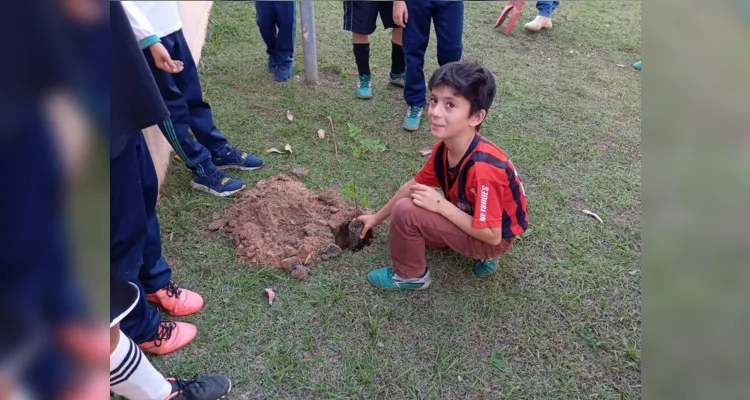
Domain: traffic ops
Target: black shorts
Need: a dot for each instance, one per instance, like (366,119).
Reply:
(362,16)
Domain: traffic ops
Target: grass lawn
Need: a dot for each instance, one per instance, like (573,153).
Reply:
(561,320)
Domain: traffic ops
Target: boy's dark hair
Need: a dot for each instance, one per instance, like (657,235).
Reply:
(468,80)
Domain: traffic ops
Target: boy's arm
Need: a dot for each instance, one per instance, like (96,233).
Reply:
(147,38)
(371,221)
(463,220)
(401,193)
(144,32)
(429,199)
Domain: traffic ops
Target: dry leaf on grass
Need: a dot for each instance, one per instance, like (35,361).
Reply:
(288,147)
(587,212)
(274,150)
(425,152)
(321,134)
(289,115)
(271,295)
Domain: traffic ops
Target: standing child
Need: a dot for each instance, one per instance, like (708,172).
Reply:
(158,29)
(484,205)
(131,374)
(415,18)
(277,22)
(134,235)
(361,18)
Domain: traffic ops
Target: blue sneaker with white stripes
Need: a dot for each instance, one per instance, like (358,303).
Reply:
(218,184)
(235,158)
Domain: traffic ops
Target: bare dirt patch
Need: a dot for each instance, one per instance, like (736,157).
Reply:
(282,224)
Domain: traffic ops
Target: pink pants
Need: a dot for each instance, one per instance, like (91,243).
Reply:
(413,228)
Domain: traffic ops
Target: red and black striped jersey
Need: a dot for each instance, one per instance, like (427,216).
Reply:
(484,184)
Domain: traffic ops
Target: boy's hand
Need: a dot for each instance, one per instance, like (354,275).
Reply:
(369,222)
(164,60)
(427,197)
(400,13)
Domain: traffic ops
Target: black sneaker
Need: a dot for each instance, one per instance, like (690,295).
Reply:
(397,79)
(200,388)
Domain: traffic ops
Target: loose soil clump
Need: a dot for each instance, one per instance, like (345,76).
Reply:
(282,224)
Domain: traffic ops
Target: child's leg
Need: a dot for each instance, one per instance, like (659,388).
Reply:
(449,27)
(266,20)
(398,62)
(196,156)
(287,30)
(154,273)
(542,20)
(361,48)
(201,118)
(360,19)
(128,225)
(416,36)
(546,8)
(412,228)
(131,375)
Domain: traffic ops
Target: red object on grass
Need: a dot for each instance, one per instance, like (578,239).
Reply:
(516,7)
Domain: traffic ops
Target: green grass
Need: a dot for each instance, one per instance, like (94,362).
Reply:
(562,318)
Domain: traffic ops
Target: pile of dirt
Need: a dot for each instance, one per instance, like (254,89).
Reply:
(281,223)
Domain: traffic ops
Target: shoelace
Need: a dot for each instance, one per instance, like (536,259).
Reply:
(164,332)
(364,82)
(414,112)
(218,178)
(232,153)
(184,384)
(235,154)
(173,290)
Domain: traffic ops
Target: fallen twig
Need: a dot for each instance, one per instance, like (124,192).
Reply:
(587,212)
(335,147)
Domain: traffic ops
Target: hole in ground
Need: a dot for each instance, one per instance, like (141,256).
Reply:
(347,236)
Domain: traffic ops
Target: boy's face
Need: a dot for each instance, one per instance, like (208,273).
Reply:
(449,114)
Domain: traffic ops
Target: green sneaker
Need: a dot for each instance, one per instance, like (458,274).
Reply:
(397,79)
(364,87)
(483,268)
(413,118)
(386,278)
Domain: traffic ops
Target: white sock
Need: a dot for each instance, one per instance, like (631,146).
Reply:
(132,376)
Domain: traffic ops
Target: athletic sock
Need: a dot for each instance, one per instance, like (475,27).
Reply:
(362,57)
(398,62)
(132,376)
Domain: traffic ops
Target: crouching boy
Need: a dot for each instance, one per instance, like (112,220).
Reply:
(484,205)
